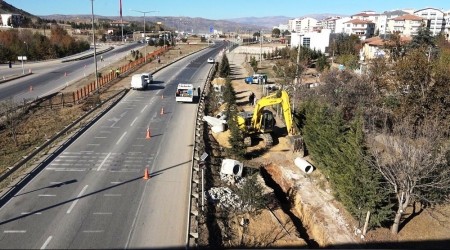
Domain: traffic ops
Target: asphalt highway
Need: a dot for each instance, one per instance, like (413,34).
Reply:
(51,76)
(93,194)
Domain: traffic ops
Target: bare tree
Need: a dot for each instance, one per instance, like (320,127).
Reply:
(11,114)
(412,159)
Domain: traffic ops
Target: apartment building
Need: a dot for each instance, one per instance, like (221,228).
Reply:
(381,24)
(302,25)
(435,19)
(362,28)
(340,24)
(407,25)
(330,23)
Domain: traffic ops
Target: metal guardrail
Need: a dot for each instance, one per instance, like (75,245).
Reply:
(88,55)
(193,206)
(7,195)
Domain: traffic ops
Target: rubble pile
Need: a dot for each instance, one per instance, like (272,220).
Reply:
(232,180)
(225,198)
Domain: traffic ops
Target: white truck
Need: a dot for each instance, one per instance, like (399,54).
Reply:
(141,81)
(185,92)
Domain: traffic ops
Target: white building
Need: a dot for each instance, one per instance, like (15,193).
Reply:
(330,23)
(381,25)
(302,25)
(362,28)
(282,27)
(435,19)
(318,41)
(407,25)
(10,20)
(340,26)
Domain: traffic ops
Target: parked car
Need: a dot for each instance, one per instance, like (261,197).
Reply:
(256,79)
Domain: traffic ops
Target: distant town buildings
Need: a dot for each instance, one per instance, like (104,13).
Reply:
(10,20)
(371,27)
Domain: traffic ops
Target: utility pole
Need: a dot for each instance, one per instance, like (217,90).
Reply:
(145,41)
(297,74)
(95,47)
(260,51)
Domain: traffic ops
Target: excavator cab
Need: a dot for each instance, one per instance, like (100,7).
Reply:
(267,122)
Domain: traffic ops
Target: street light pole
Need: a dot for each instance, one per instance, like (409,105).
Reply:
(95,47)
(145,41)
(26,54)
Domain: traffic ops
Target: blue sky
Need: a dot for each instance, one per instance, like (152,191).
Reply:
(224,9)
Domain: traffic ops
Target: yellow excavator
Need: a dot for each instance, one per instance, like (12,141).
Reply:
(261,122)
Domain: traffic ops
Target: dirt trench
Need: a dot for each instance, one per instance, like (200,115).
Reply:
(286,206)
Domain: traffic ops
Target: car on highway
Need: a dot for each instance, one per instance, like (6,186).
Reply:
(211,60)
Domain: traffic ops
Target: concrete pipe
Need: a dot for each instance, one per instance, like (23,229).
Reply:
(304,165)
(231,167)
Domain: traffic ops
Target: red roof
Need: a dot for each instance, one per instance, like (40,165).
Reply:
(358,21)
(407,17)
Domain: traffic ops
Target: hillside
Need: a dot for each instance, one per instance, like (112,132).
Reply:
(182,23)
(8,8)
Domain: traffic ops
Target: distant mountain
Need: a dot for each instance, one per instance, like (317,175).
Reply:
(8,8)
(181,23)
(266,22)
(272,21)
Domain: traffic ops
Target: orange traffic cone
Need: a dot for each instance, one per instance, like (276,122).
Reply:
(162,110)
(148,134)
(146,175)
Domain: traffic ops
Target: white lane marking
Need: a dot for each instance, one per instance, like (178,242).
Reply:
(47,241)
(132,123)
(14,231)
(112,195)
(76,199)
(115,182)
(103,162)
(117,143)
(60,164)
(47,195)
(93,231)
(101,213)
(30,213)
(86,152)
(66,169)
(124,170)
(142,111)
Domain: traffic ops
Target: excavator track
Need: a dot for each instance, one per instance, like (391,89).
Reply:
(268,140)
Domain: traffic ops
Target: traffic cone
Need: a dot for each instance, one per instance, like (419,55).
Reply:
(148,134)
(162,110)
(146,175)
(31,88)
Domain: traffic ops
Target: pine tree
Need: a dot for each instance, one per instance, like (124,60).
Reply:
(224,70)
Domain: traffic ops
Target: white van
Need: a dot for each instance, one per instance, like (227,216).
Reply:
(138,82)
(148,77)
(185,92)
